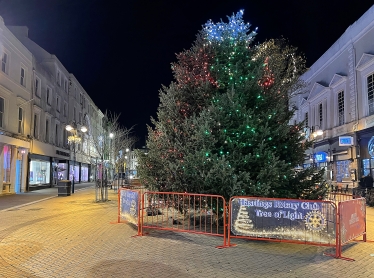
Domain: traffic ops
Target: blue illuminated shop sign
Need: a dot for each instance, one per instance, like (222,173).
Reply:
(345,141)
(320,157)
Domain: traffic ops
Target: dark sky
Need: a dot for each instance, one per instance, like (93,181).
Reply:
(121,50)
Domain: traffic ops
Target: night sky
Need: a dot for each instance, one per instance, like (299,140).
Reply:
(120,51)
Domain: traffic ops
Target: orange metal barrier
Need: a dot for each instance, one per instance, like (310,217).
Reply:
(339,197)
(352,223)
(184,212)
(315,222)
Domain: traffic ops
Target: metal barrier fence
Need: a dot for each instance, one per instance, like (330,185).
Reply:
(339,197)
(352,223)
(287,220)
(315,222)
(184,212)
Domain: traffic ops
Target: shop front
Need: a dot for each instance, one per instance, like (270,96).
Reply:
(365,140)
(84,172)
(320,157)
(62,170)
(344,162)
(39,172)
(74,171)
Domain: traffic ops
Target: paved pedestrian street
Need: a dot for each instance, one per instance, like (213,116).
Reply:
(73,237)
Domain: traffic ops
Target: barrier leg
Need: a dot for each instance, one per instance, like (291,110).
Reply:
(226,229)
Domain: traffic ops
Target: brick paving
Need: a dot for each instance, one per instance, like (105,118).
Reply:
(72,237)
(14,200)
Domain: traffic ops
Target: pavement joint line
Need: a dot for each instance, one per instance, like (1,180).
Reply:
(38,201)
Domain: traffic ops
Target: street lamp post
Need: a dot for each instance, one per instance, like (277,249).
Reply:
(111,136)
(128,165)
(74,138)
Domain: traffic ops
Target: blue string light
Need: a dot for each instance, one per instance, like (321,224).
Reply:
(236,29)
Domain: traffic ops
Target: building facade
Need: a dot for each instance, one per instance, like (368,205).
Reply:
(38,99)
(15,111)
(339,100)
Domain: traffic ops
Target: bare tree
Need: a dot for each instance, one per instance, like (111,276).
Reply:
(108,140)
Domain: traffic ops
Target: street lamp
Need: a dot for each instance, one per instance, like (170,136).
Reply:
(128,164)
(74,138)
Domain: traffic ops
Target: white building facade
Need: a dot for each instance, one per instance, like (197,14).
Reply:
(38,98)
(15,111)
(339,99)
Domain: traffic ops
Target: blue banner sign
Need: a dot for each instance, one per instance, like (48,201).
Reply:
(283,219)
(320,157)
(129,204)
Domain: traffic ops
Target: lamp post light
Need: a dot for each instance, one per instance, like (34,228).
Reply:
(128,164)
(74,139)
(111,151)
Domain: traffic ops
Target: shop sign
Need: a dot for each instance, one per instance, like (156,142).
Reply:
(320,157)
(345,141)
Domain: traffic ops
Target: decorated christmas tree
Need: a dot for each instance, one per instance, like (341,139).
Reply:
(223,126)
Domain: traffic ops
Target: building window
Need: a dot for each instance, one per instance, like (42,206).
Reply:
(58,78)
(65,109)
(37,87)
(4,62)
(75,115)
(66,85)
(20,120)
(81,99)
(35,126)
(368,167)
(49,96)
(23,81)
(342,170)
(47,131)
(1,112)
(306,119)
(320,114)
(75,92)
(80,117)
(7,163)
(56,134)
(39,172)
(65,138)
(370,81)
(58,104)
(341,107)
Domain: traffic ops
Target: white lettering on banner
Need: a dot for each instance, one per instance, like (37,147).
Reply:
(260,213)
(287,209)
(284,204)
(310,206)
(354,219)
(256,203)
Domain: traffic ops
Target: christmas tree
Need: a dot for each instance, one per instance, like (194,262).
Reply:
(223,125)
